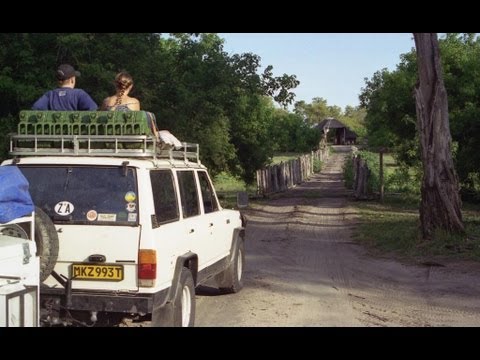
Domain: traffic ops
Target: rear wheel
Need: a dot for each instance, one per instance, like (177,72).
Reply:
(231,279)
(184,303)
(180,312)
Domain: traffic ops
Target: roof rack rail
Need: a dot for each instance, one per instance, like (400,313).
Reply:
(94,133)
(143,146)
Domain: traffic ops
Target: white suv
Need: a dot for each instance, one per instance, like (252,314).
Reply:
(138,225)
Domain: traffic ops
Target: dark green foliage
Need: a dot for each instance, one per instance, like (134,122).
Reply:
(391,117)
(373,162)
(317,165)
(251,137)
(318,110)
(402,180)
(397,179)
(198,91)
(348,173)
(291,133)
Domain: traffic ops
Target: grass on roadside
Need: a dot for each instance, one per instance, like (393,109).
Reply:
(228,186)
(393,228)
(278,158)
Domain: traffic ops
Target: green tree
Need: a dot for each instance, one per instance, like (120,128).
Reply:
(315,112)
(354,119)
(390,106)
(250,125)
(291,133)
(197,90)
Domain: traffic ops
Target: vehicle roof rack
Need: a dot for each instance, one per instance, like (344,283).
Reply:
(94,133)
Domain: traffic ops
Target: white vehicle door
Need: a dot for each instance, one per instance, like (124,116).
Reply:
(194,225)
(219,239)
(171,239)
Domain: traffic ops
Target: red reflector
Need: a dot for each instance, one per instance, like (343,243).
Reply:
(147,271)
(147,265)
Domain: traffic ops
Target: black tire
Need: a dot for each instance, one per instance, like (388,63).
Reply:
(184,302)
(46,239)
(231,279)
(172,314)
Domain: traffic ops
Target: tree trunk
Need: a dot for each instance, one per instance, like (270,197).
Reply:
(440,207)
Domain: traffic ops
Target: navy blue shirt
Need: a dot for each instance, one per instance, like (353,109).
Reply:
(65,99)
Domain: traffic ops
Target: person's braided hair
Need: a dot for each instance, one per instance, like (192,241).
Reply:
(123,80)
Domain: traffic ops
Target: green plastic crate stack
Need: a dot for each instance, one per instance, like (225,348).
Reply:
(33,122)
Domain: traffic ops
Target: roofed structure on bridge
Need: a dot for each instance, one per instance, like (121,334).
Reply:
(343,135)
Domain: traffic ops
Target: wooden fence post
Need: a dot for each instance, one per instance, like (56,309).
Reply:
(286,175)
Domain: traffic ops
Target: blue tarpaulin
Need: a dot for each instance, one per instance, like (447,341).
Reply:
(15,200)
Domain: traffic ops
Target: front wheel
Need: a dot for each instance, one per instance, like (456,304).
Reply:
(231,279)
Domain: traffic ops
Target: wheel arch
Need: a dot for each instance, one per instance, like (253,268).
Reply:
(238,235)
(188,260)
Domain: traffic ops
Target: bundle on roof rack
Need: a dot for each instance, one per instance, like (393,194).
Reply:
(96,133)
(86,123)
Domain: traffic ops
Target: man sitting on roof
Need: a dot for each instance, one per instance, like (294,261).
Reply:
(65,97)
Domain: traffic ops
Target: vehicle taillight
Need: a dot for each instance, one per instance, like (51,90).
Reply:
(147,267)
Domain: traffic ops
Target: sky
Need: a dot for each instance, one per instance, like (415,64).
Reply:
(332,66)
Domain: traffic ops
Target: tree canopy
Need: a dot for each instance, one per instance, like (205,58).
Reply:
(197,91)
(390,104)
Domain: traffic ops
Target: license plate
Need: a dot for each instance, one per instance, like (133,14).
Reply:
(97,272)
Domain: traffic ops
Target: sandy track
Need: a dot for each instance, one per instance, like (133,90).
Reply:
(303,270)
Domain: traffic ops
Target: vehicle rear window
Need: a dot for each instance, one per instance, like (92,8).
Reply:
(85,194)
(164,196)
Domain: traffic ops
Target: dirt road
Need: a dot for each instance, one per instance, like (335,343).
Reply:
(302,269)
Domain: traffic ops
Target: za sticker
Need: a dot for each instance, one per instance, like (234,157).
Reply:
(64,208)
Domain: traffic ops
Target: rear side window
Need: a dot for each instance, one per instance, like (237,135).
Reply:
(188,193)
(85,194)
(164,196)
(210,203)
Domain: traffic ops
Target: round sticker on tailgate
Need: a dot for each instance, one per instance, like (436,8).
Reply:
(130,196)
(91,215)
(131,207)
(64,208)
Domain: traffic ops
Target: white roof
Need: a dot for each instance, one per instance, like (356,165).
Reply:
(108,161)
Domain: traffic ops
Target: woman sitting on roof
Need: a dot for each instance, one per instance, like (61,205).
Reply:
(121,101)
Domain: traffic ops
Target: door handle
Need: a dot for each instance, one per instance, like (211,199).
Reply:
(191,231)
(211,224)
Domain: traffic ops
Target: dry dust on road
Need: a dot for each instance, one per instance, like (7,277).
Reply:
(303,269)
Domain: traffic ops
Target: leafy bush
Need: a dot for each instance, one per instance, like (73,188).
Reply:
(402,180)
(373,163)
(317,165)
(470,188)
(348,173)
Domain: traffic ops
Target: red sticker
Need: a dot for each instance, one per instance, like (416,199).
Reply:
(92,215)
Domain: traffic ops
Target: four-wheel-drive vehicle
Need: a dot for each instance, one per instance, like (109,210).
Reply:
(137,224)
